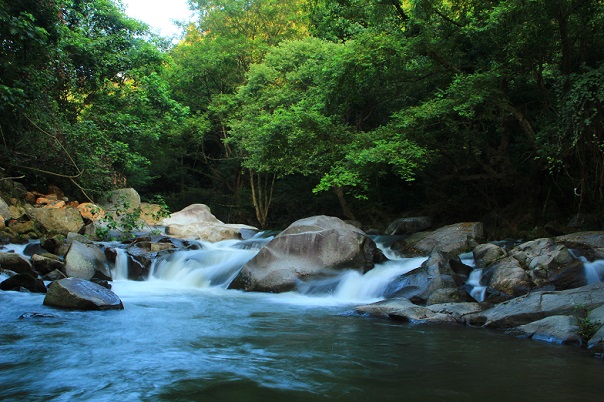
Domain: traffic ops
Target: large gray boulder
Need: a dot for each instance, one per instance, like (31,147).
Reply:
(453,239)
(86,261)
(313,248)
(537,305)
(80,294)
(197,222)
(57,220)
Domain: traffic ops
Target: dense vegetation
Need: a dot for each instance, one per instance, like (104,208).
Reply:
(269,110)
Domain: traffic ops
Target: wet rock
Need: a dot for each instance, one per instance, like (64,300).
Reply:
(80,294)
(596,343)
(587,244)
(447,295)
(561,329)
(488,253)
(419,284)
(46,264)
(403,309)
(453,239)
(16,263)
(507,276)
(86,261)
(409,225)
(537,305)
(36,315)
(54,276)
(21,282)
(312,248)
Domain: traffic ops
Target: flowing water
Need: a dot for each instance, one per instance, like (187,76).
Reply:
(184,337)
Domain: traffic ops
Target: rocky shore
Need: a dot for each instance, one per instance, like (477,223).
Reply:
(546,289)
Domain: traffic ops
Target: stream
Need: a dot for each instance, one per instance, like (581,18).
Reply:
(184,337)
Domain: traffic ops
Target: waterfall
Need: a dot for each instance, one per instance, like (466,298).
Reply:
(478,290)
(594,271)
(214,265)
(120,271)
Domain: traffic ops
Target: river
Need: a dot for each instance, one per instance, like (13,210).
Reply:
(182,337)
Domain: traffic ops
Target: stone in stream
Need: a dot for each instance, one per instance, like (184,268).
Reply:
(16,263)
(26,282)
(537,305)
(314,248)
(86,261)
(80,294)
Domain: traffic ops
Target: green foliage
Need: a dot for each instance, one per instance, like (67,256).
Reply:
(586,327)
(126,219)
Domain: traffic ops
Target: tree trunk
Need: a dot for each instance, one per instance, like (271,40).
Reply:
(262,186)
(346,211)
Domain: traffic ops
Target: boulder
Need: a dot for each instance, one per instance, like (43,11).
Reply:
(21,282)
(197,222)
(507,277)
(453,239)
(409,225)
(86,261)
(24,228)
(123,199)
(596,343)
(447,295)
(561,329)
(90,211)
(80,294)
(419,284)
(488,253)
(54,276)
(62,220)
(544,260)
(537,305)
(151,213)
(4,210)
(16,263)
(403,309)
(313,248)
(45,264)
(588,244)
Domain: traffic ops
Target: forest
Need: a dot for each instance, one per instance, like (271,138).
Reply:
(269,111)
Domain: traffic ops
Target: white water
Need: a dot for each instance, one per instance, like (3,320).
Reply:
(478,291)
(215,265)
(594,271)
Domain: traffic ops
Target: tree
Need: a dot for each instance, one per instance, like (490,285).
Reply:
(296,117)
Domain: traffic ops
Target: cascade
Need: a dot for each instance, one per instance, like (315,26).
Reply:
(474,282)
(120,271)
(594,271)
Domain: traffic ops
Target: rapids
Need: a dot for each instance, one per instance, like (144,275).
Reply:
(184,337)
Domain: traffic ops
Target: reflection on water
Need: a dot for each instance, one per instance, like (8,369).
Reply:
(221,345)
